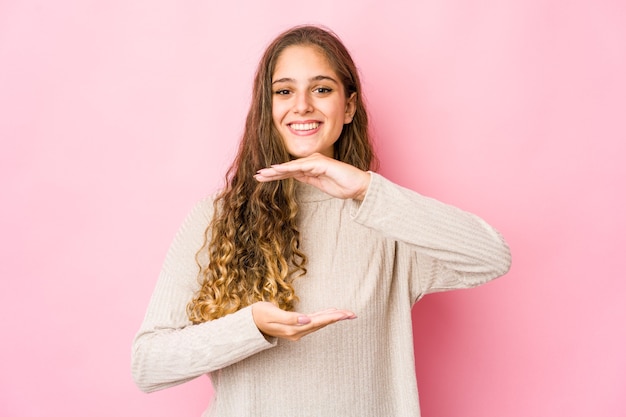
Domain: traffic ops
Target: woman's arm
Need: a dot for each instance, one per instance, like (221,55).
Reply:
(453,248)
(168,349)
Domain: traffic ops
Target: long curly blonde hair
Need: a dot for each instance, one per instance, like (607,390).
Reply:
(252,246)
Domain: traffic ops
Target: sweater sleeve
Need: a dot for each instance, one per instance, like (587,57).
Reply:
(168,349)
(451,248)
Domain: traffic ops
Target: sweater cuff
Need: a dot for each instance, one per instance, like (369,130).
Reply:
(362,209)
(236,338)
(251,332)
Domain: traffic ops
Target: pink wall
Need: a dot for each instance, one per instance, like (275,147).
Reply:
(115,117)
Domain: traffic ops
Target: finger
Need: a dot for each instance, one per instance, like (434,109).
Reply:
(324,316)
(317,322)
(348,313)
(267,176)
(284,171)
(281,176)
(324,319)
(303,166)
(314,163)
(285,318)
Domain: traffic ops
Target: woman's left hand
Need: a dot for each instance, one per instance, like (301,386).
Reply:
(335,178)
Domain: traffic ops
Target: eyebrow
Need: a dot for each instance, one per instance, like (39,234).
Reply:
(316,78)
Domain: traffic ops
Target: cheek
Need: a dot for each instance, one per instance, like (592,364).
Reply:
(277,113)
(338,111)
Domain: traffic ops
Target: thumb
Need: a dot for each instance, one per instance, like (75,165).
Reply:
(290,318)
(270,313)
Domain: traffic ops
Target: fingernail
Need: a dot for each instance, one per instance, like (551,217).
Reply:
(304,320)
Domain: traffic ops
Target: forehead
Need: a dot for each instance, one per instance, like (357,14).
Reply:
(302,61)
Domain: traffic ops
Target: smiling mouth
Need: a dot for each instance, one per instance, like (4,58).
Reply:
(304,127)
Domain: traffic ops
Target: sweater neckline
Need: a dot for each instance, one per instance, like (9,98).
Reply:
(306,193)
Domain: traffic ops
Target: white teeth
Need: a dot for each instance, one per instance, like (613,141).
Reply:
(304,126)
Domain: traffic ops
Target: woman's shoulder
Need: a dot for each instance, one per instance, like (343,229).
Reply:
(201,212)
(206,201)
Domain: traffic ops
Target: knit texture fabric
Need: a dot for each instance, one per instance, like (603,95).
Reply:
(376,258)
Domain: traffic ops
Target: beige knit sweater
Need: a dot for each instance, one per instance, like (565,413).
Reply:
(376,258)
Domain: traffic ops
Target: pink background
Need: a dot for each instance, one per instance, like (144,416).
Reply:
(116,116)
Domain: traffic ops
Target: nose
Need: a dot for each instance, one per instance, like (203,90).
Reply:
(303,103)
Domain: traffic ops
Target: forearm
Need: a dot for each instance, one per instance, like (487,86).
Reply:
(460,242)
(163,357)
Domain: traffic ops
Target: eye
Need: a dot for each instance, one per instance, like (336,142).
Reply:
(322,90)
(282,92)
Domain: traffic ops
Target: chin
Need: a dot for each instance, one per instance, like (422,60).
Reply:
(295,154)
(299,155)
(303,153)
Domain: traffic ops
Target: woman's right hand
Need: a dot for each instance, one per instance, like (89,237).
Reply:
(272,321)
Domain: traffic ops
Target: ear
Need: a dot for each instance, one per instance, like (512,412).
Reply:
(350,109)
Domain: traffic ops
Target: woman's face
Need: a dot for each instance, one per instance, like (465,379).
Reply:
(309,104)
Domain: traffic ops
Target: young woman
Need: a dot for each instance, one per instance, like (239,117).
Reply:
(302,227)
